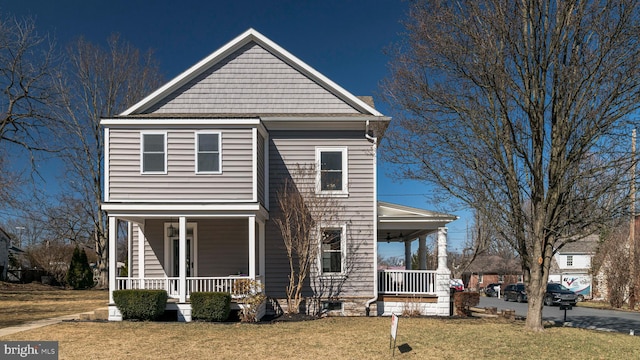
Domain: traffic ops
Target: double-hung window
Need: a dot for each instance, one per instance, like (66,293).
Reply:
(208,154)
(153,153)
(332,250)
(331,177)
(569,260)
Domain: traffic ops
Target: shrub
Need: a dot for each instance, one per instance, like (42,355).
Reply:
(210,306)
(251,296)
(463,301)
(140,304)
(79,275)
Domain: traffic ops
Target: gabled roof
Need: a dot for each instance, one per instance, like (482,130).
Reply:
(588,245)
(220,55)
(495,264)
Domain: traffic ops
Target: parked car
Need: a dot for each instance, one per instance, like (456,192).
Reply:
(558,293)
(456,284)
(491,289)
(515,292)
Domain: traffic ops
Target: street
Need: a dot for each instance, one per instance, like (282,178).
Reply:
(611,320)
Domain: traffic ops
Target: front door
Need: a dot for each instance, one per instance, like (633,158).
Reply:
(175,257)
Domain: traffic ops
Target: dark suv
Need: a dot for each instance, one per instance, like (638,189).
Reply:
(557,294)
(515,292)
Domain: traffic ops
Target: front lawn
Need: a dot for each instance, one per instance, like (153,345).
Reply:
(21,303)
(330,338)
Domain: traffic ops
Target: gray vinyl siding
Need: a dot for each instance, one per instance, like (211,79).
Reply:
(153,231)
(291,147)
(134,266)
(181,183)
(252,80)
(260,169)
(222,247)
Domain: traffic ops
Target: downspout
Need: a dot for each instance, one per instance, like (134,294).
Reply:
(374,141)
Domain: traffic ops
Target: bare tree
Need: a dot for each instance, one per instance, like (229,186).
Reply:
(302,214)
(101,82)
(518,110)
(611,263)
(53,257)
(28,100)
(27,74)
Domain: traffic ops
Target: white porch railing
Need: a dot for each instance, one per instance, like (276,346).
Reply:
(172,284)
(409,282)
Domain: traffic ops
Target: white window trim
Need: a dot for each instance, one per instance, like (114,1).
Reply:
(168,260)
(569,257)
(166,152)
(343,251)
(219,133)
(345,171)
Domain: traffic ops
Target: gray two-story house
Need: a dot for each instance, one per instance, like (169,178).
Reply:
(195,168)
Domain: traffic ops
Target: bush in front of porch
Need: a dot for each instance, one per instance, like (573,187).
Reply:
(210,306)
(140,304)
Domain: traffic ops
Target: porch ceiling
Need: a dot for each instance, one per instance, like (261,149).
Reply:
(399,222)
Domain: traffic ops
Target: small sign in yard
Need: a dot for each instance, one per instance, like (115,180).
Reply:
(394,332)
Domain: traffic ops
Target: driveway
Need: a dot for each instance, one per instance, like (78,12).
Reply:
(582,317)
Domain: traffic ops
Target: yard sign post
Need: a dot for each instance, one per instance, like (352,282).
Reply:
(394,332)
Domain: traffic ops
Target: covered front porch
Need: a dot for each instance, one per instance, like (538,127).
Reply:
(415,287)
(185,252)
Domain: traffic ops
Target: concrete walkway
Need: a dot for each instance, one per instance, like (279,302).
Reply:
(40,323)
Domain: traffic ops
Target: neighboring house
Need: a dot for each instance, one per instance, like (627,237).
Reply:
(5,243)
(194,169)
(492,269)
(9,251)
(571,265)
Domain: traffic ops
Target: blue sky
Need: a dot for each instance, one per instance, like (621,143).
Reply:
(342,39)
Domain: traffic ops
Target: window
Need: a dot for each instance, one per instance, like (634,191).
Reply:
(332,170)
(331,250)
(331,306)
(208,153)
(569,260)
(520,278)
(154,146)
(479,278)
(500,278)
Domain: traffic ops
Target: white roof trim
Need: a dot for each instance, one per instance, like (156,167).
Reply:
(388,212)
(233,45)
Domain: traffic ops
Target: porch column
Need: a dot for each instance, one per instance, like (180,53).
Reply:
(407,254)
(442,249)
(422,252)
(183,259)
(141,264)
(443,275)
(252,247)
(129,249)
(261,249)
(113,258)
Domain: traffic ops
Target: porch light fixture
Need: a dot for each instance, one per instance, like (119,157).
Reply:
(172,231)
(389,238)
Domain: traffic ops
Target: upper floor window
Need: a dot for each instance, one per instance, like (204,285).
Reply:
(154,153)
(331,170)
(208,153)
(331,250)
(569,260)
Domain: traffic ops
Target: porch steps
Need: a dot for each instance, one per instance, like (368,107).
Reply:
(97,314)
